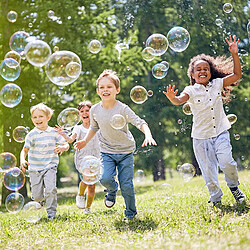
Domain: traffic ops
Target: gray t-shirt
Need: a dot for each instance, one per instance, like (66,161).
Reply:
(114,141)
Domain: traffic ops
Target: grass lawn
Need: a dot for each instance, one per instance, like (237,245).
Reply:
(172,214)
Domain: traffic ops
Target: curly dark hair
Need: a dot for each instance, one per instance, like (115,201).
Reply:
(220,67)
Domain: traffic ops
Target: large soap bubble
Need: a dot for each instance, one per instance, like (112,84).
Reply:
(37,53)
(56,67)
(10,69)
(11,95)
(90,170)
(18,41)
(117,121)
(187,171)
(159,43)
(138,94)
(94,46)
(148,54)
(14,202)
(68,118)
(14,179)
(178,39)
(159,70)
(32,212)
(232,118)
(187,109)
(7,161)
(14,55)
(12,16)
(19,133)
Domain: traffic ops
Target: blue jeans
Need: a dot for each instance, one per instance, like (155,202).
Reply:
(125,167)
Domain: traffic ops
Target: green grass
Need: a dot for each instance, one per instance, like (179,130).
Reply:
(174,216)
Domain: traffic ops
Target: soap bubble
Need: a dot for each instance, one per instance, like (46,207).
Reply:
(236,137)
(73,69)
(14,55)
(165,63)
(187,171)
(56,67)
(94,46)
(187,109)
(150,93)
(138,94)
(18,41)
(213,188)
(19,133)
(139,175)
(148,54)
(51,14)
(218,22)
(7,161)
(12,16)
(90,170)
(37,53)
(117,121)
(32,212)
(11,95)
(227,8)
(159,43)
(159,70)
(178,39)
(14,179)
(232,118)
(248,31)
(10,69)
(56,48)
(14,202)
(68,118)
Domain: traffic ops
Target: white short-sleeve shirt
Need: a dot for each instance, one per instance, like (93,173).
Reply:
(209,118)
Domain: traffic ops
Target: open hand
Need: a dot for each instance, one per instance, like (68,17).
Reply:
(233,44)
(171,93)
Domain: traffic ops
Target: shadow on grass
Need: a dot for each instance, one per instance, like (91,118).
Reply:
(238,209)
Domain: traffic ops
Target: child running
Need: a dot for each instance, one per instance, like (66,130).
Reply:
(209,79)
(117,145)
(42,145)
(78,133)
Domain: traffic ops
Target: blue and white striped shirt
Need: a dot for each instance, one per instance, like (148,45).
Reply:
(41,144)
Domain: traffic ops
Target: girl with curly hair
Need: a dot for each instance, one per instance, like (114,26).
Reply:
(210,83)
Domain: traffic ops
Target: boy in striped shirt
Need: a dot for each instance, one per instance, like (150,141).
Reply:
(42,145)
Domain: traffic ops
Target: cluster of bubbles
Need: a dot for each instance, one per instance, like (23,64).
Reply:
(68,118)
(117,121)
(187,171)
(139,175)
(90,170)
(120,46)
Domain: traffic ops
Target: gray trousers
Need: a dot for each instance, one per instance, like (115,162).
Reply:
(211,153)
(43,187)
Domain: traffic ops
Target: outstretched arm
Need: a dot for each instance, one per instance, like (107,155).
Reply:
(233,48)
(171,95)
(149,140)
(81,144)
(23,162)
(62,132)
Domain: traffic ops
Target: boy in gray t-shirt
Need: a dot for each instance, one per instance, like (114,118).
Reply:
(116,143)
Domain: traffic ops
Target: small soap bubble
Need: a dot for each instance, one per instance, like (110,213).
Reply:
(218,22)
(37,53)
(11,95)
(227,108)
(14,202)
(236,137)
(187,109)
(32,212)
(94,46)
(227,8)
(179,121)
(117,121)
(128,68)
(138,94)
(12,16)
(7,134)
(139,175)
(68,118)
(148,54)
(21,116)
(159,70)
(33,96)
(19,133)
(90,170)
(18,41)
(14,179)
(56,48)
(150,93)
(10,69)
(232,118)
(14,55)
(178,39)
(242,157)
(73,69)
(51,14)
(159,43)
(187,171)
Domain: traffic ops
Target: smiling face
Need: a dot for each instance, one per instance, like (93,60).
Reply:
(40,119)
(84,114)
(201,73)
(106,89)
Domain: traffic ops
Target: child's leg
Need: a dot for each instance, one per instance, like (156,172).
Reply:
(125,176)
(91,195)
(107,179)
(82,188)
(227,164)
(206,157)
(51,191)
(36,186)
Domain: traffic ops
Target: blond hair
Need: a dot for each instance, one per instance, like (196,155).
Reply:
(41,106)
(112,75)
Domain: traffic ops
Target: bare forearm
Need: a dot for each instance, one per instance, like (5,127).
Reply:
(91,133)
(145,130)
(237,66)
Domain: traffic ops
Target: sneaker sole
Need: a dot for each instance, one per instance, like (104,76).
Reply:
(107,205)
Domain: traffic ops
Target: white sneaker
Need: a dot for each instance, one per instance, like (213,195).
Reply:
(80,201)
(87,210)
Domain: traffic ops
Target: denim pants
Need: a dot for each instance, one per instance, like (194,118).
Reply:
(43,186)
(125,166)
(211,153)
